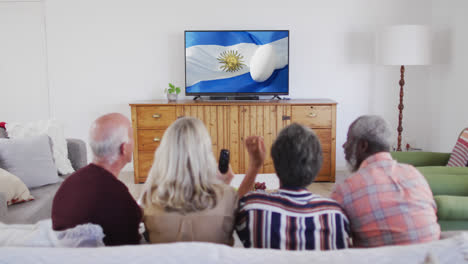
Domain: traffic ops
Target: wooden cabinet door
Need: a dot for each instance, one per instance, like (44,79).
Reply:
(265,121)
(223,126)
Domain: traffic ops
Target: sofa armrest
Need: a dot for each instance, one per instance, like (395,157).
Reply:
(77,153)
(3,133)
(3,206)
(420,159)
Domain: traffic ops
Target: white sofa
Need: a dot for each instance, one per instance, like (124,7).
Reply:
(451,250)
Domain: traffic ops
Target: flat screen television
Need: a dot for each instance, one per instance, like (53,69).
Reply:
(237,63)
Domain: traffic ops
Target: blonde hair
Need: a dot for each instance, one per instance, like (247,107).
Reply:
(183,175)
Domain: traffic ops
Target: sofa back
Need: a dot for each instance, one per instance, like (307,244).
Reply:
(421,159)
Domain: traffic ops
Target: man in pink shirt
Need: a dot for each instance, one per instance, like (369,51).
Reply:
(386,202)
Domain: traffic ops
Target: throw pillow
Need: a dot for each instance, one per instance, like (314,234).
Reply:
(459,156)
(13,188)
(55,131)
(30,159)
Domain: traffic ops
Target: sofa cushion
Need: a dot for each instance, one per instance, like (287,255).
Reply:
(452,207)
(31,212)
(14,189)
(446,180)
(54,130)
(30,159)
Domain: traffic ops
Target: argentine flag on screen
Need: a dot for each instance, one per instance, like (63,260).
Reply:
(236,61)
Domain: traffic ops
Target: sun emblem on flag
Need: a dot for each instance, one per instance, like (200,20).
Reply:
(231,61)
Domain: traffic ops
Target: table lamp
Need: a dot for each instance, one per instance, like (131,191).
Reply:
(404,45)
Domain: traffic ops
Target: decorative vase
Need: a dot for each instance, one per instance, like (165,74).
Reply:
(172,97)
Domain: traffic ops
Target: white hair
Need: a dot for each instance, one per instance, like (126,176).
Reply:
(373,129)
(183,175)
(108,148)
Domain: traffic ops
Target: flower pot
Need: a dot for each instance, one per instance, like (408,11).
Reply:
(172,97)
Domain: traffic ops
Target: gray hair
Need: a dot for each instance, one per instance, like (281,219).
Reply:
(375,130)
(108,148)
(297,156)
(183,175)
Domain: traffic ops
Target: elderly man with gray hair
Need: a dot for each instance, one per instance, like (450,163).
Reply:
(292,217)
(93,194)
(387,203)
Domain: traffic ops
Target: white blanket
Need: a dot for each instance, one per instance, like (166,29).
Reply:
(42,235)
(453,250)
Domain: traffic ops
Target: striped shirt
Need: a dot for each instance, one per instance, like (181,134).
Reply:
(291,219)
(388,204)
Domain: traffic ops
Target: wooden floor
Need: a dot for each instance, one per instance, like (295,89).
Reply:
(321,188)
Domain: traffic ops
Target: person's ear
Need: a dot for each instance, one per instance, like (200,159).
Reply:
(363,146)
(122,149)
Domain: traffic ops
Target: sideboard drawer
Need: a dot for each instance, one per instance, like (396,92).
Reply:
(155,117)
(149,140)
(312,116)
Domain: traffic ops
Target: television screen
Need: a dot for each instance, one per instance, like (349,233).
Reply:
(237,62)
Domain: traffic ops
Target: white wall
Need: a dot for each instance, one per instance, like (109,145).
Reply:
(103,54)
(447,105)
(23,64)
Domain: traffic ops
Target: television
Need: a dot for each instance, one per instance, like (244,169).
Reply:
(236,62)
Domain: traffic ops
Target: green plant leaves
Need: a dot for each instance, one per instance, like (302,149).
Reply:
(172,89)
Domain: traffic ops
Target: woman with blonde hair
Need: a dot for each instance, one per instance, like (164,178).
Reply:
(185,198)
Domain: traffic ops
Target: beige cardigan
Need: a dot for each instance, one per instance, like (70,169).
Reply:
(210,225)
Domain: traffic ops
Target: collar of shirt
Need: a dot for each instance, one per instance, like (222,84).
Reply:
(294,192)
(378,157)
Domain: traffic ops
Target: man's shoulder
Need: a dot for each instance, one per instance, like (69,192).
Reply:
(352,179)
(88,171)
(407,167)
(253,196)
(93,177)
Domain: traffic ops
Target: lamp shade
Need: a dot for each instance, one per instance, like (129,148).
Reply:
(405,45)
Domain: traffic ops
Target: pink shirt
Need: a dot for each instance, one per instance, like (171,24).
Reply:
(388,203)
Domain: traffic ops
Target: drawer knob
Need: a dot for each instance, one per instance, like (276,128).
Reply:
(156,116)
(156,139)
(312,115)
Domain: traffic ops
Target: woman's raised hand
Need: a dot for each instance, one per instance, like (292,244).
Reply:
(256,149)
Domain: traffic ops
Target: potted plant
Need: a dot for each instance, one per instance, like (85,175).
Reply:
(172,92)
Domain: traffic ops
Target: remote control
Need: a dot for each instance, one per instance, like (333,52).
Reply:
(223,164)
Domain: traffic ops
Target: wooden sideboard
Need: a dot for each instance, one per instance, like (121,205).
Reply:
(229,123)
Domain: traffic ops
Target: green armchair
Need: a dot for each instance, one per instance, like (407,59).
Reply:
(448,184)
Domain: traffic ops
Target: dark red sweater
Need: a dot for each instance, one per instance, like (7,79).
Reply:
(93,195)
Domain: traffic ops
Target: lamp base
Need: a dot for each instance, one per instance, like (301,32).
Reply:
(401,106)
